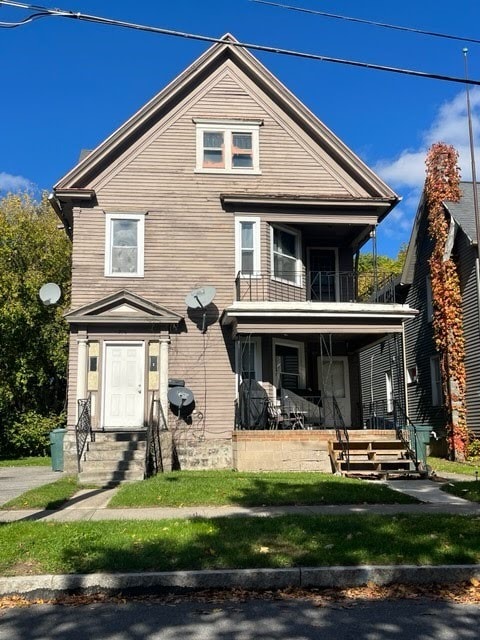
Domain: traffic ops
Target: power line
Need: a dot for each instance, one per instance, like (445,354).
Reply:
(45,12)
(385,25)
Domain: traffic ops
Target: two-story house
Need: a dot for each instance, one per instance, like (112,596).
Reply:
(215,237)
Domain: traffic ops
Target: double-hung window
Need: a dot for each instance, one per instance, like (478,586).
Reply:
(124,238)
(228,146)
(247,246)
(285,255)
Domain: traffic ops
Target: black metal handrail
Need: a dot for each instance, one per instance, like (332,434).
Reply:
(402,422)
(315,286)
(153,451)
(83,428)
(341,432)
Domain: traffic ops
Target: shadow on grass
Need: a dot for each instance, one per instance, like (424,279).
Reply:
(253,490)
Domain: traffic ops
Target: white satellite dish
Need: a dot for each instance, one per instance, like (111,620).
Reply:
(50,293)
(200,297)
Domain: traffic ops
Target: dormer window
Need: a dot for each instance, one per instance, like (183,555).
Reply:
(228,146)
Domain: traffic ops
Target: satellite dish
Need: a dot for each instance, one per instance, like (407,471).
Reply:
(200,297)
(50,293)
(180,396)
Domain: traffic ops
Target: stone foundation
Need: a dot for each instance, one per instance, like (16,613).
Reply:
(282,451)
(196,453)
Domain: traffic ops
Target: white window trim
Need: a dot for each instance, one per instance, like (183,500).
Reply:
(298,252)
(437,399)
(389,390)
(257,345)
(227,127)
(256,245)
(301,361)
(140,217)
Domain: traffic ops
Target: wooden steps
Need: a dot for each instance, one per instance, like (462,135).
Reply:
(372,455)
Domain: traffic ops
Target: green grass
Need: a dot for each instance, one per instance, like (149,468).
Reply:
(39,461)
(221,543)
(465,468)
(215,488)
(467,490)
(48,496)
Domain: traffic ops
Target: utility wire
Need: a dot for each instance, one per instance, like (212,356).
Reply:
(245,45)
(385,25)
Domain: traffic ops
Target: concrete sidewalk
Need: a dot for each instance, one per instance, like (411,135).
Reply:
(92,504)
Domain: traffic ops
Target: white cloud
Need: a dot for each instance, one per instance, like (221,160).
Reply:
(406,172)
(450,126)
(10,183)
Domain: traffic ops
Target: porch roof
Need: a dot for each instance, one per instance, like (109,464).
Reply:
(316,317)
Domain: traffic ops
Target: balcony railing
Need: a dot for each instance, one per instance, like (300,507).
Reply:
(315,286)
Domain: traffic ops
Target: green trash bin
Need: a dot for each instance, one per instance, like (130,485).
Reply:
(56,448)
(423,432)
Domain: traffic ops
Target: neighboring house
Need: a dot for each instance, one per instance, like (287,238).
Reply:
(413,363)
(224,179)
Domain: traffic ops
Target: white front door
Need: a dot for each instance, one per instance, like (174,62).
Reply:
(124,385)
(334,383)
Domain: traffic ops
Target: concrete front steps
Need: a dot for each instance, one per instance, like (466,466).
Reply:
(114,457)
(372,455)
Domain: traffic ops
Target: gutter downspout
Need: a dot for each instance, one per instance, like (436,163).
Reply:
(57,207)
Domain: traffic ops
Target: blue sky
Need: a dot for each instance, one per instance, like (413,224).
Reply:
(67,85)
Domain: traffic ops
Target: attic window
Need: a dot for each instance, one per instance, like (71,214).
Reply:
(227,147)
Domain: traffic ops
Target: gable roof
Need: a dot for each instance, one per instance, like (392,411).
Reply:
(79,178)
(122,307)
(463,211)
(463,214)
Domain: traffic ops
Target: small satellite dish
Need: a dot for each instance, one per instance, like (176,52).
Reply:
(180,396)
(50,293)
(200,297)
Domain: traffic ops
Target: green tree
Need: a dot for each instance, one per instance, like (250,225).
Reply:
(33,337)
(385,264)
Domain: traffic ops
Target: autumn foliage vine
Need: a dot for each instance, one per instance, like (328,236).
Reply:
(443,183)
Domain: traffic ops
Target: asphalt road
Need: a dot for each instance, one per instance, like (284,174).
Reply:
(255,619)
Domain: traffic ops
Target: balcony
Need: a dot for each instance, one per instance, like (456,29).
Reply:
(315,286)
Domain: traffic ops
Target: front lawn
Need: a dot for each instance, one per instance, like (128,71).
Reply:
(222,543)
(467,490)
(465,468)
(48,496)
(38,461)
(214,488)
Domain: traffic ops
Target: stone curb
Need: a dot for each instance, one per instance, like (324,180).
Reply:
(47,586)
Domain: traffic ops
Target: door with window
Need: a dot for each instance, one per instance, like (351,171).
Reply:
(323,276)
(289,365)
(124,385)
(334,383)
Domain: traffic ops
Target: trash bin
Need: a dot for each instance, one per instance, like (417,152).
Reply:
(423,432)
(56,448)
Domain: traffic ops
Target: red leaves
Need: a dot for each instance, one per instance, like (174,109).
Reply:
(443,183)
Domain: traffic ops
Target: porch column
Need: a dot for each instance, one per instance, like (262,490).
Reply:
(82,354)
(163,371)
